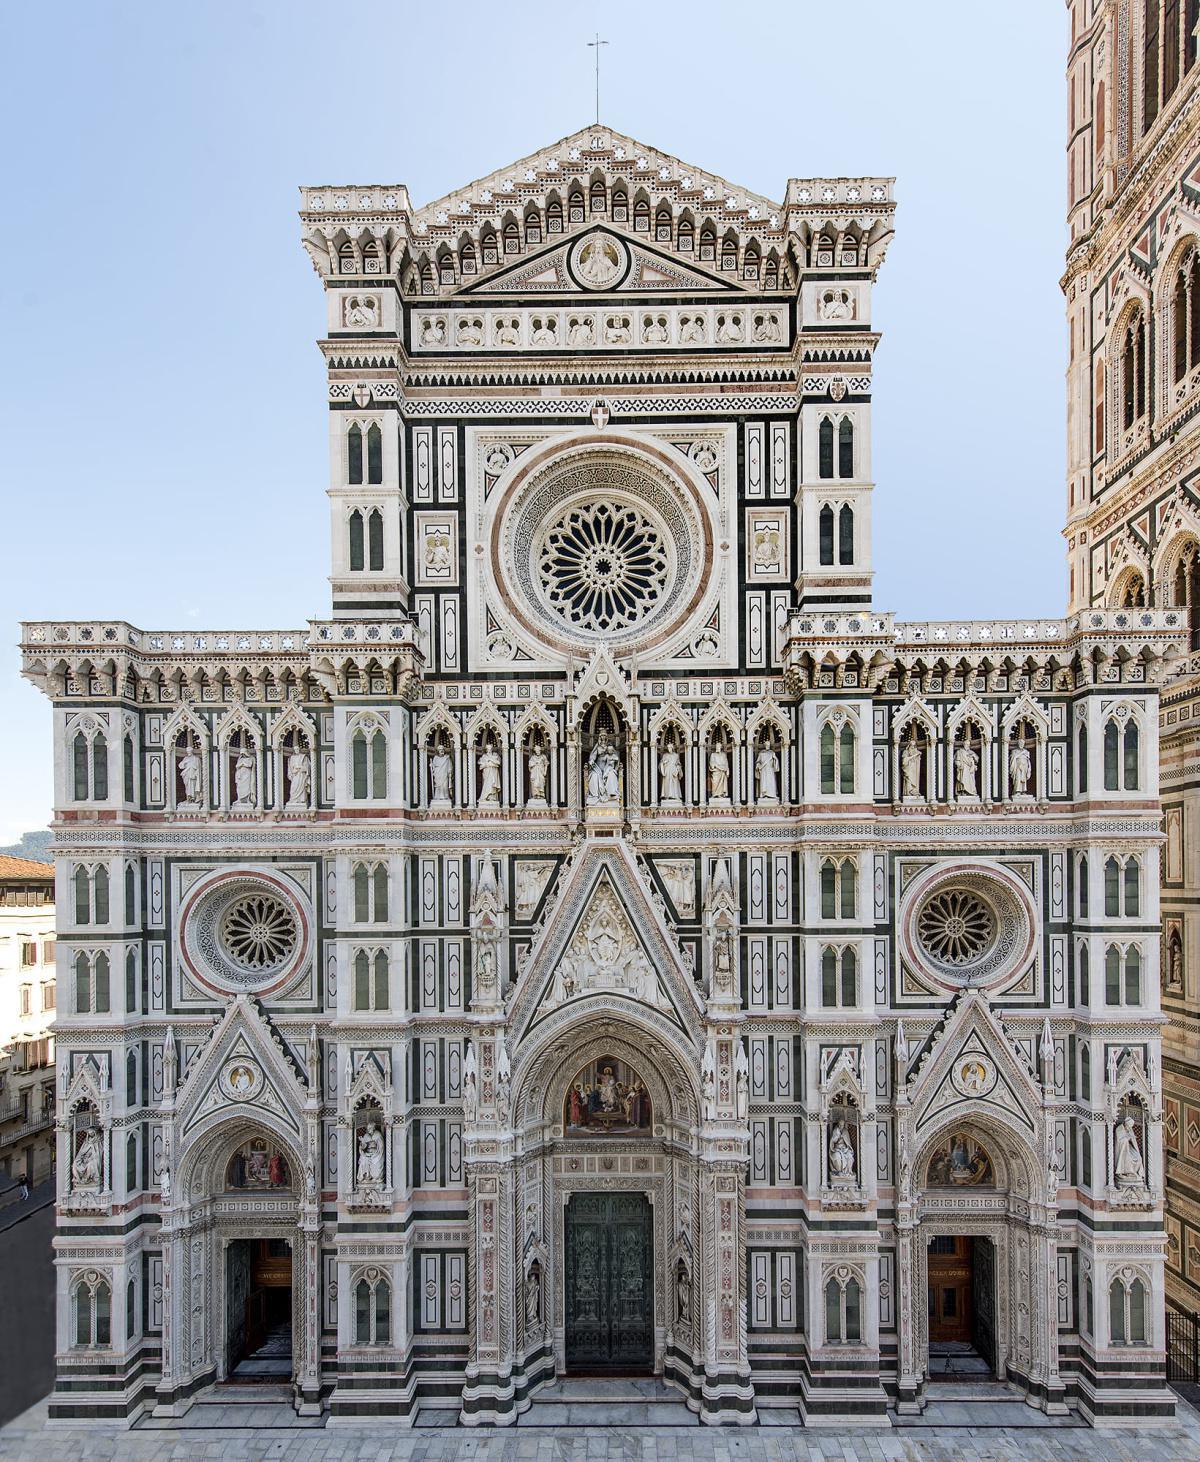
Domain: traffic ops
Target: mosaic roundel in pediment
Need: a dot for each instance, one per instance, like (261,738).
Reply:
(968,926)
(599,261)
(602,543)
(244,931)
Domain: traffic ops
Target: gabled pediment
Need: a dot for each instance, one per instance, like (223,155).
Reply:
(245,1068)
(606,943)
(970,1060)
(608,259)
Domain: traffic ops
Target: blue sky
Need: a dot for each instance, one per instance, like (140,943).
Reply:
(164,452)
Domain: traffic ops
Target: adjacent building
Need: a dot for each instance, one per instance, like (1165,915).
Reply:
(1133,524)
(27,1013)
(606,940)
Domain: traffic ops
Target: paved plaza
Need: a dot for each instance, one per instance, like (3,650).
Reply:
(986,1439)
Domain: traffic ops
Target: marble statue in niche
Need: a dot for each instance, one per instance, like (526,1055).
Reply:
(440,772)
(1020,769)
(537,771)
(87,1165)
(841,1154)
(1129,1167)
(299,777)
(369,1171)
(243,778)
(966,770)
(191,775)
(767,766)
(670,775)
(489,771)
(603,774)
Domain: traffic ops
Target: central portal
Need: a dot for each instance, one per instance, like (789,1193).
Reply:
(962,1321)
(609,1288)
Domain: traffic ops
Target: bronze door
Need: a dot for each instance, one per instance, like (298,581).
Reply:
(950,1288)
(609,1289)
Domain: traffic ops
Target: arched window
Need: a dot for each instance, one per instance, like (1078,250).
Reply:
(687,236)
(130,895)
(370,893)
(620,204)
(131,1321)
(641,215)
(127,768)
(371,980)
(375,540)
(848,891)
(1083,886)
(1112,757)
(372,1310)
(374,454)
(131,1091)
(1185,586)
(1133,889)
(1112,975)
(825,534)
(489,246)
(357,559)
(346,258)
(1127,1312)
(1112,889)
(729,255)
(1081,764)
(829,978)
(466,257)
(131,1173)
(1130,755)
(99,768)
(662,226)
(708,243)
(427,282)
(1085,1072)
(1133,977)
(849,979)
(837,759)
(83,895)
(554,216)
(100,895)
(845,534)
(132,1003)
(750,263)
(845,447)
(512,238)
(1098,398)
(446,268)
(354,455)
(368,759)
(1085,982)
(1150,70)
(829,888)
(93,1312)
(575,204)
(825,448)
(1100,121)
(599,196)
(79,766)
(843,1305)
(1133,370)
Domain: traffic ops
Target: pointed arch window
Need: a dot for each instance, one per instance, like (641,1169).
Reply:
(130,895)
(93,1313)
(845,534)
(131,1175)
(374,454)
(132,1003)
(357,557)
(843,1311)
(79,766)
(1133,370)
(1150,68)
(1130,755)
(128,789)
(825,535)
(375,540)
(1085,983)
(354,455)
(370,893)
(368,764)
(845,447)
(825,448)
(1085,1072)
(89,767)
(371,980)
(1083,885)
(837,759)
(372,1309)
(92,984)
(1127,1312)
(575,205)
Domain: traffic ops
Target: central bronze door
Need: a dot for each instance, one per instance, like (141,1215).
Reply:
(950,1288)
(609,1289)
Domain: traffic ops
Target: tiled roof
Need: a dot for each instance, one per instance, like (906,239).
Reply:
(24,868)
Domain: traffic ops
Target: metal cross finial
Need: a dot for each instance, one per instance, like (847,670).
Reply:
(595,46)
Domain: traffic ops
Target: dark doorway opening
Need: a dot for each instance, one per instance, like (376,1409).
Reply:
(259,1310)
(609,1289)
(962,1307)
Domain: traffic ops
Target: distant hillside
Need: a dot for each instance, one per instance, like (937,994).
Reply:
(35,845)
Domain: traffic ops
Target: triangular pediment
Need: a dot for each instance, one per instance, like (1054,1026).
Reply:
(970,1062)
(605,944)
(245,1069)
(602,260)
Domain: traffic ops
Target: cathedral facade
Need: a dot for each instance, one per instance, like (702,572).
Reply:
(607,943)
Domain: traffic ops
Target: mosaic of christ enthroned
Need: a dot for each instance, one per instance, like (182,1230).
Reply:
(607,1096)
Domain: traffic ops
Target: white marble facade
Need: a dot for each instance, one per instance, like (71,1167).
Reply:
(605,758)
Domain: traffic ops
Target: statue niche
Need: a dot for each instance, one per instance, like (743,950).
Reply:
(603,752)
(607,1097)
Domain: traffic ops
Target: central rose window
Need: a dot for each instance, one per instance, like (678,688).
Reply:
(603,567)
(606,542)
(258,932)
(956,926)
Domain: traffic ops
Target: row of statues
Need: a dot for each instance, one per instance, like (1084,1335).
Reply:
(966,770)
(297,776)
